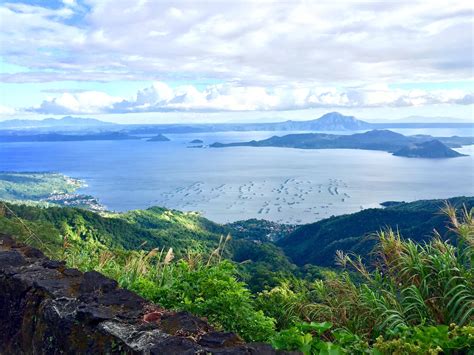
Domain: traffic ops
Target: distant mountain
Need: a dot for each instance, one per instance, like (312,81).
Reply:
(67,121)
(159,138)
(334,121)
(430,149)
(372,140)
(317,243)
(56,137)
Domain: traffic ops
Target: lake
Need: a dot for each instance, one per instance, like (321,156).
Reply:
(280,184)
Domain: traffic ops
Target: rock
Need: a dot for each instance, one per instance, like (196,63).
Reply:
(47,308)
(53,264)
(11,259)
(184,324)
(220,339)
(94,282)
(177,346)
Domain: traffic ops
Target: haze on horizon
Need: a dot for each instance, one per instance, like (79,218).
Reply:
(160,62)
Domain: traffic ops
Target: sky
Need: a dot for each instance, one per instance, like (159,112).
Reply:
(164,61)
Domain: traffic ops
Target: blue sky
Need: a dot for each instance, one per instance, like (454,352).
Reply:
(180,61)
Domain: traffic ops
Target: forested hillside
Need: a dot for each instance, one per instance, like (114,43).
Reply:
(318,242)
(261,263)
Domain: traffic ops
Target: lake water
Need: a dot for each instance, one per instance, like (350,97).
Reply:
(279,184)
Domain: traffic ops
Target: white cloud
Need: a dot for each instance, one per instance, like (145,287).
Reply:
(253,43)
(225,97)
(82,102)
(267,55)
(5,110)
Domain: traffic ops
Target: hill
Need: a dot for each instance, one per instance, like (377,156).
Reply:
(34,186)
(156,227)
(384,140)
(430,149)
(266,248)
(318,242)
(59,137)
(158,138)
(334,121)
(374,140)
(67,121)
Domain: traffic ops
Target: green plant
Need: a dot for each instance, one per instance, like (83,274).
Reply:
(203,286)
(416,298)
(410,297)
(427,340)
(307,338)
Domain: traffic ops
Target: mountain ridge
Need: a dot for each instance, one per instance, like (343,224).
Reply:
(331,121)
(66,121)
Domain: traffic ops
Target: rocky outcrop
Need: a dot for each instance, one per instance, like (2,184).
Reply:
(48,308)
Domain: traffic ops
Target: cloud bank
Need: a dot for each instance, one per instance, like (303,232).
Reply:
(250,43)
(160,97)
(264,56)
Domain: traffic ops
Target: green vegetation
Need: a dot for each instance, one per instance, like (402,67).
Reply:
(260,229)
(204,286)
(317,243)
(260,264)
(415,298)
(35,186)
(419,299)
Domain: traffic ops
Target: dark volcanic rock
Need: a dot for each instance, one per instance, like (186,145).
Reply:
(180,323)
(46,308)
(220,339)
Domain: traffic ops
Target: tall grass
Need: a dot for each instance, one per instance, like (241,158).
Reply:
(410,285)
(204,285)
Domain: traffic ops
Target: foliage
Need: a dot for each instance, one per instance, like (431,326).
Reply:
(427,340)
(317,243)
(203,287)
(418,299)
(306,337)
(34,186)
(260,229)
(415,298)
(260,264)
